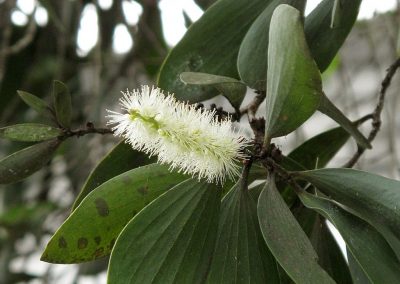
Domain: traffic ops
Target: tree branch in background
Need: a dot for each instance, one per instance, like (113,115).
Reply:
(26,39)
(6,29)
(376,114)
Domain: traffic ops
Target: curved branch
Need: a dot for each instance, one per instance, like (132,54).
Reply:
(376,114)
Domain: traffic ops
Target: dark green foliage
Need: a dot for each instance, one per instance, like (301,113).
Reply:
(120,159)
(241,255)
(294,86)
(91,230)
(371,197)
(25,162)
(172,239)
(324,40)
(211,45)
(231,88)
(62,104)
(162,226)
(363,242)
(286,240)
(252,59)
(30,132)
(34,102)
(330,257)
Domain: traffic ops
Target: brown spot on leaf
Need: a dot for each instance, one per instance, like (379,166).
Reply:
(102,207)
(62,243)
(97,239)
(285,117)
(98,253)
(82,243)
(143,190)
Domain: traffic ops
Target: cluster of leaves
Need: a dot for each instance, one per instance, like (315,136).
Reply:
(163,227)
(25,162)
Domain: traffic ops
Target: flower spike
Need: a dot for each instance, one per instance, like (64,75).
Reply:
(188,139)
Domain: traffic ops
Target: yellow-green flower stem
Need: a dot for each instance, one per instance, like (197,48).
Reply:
(151,121)
(191,143)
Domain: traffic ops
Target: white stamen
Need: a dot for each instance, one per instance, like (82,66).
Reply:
(188,139)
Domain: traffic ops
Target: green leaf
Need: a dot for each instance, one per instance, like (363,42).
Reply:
(252,58)
(39,105)
(329,254)
(91,230)
(368,247)
(22,164)
(286,240)
(320,149)
(171,240)
(62,103)
(120,159)
(30,132)
(371,197)
(323,40)
(314,153)
(241,255)
(336,14)
(328,108)
(294,87)
(230,88)
(210,45)
(357,274)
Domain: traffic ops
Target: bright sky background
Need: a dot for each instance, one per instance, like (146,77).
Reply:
(171,15)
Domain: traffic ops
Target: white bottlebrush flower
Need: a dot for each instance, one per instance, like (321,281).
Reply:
(188,139)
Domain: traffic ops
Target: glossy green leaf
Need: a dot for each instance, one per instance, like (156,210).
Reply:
(241,255)
(120,159)
(368,247)
(314,153)
(39,105)
(171,240)
(329,254)
(371,197)
(252,58)
(357,273)
(320,149)
(336,14)
(230,88)
(30,132)
(23,163)
(323,40)
(62,103)
(286,239)
(294,85)
(91,230)
(328,108)
(210,45)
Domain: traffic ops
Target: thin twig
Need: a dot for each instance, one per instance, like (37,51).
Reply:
(87,130)
(376,114)
(253,106)
(6,36)
(26,39)
(287,176)
(256,124)
(245,172)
